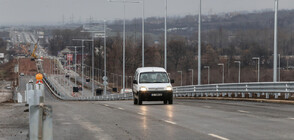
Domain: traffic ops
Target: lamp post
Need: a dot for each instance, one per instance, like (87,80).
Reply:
(208,74)
(82,40)
(181,77)
(192,75)
(275,42)
(165,36)
(258,67)
(239,62)
(124,35)
(105,54)
(223,65)
(199,45)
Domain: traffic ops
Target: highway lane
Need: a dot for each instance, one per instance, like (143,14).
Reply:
(186,119)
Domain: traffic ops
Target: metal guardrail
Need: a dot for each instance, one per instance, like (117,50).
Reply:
(278,89)
(108,97)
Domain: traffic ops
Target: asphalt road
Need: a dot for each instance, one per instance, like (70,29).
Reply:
(185,119)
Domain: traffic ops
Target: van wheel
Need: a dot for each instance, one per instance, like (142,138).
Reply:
(135,101)
(165,102)
(170,101)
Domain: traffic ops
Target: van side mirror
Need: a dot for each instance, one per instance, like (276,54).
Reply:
(172,81)
(135,82)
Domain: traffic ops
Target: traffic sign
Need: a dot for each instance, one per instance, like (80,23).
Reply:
(105,78)
(105,83)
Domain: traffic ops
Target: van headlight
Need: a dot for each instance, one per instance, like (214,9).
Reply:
(169,88)
(143,89)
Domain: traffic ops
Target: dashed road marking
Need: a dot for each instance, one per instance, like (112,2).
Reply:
(121,108)
(141,114)
(106,105)
(242,111)
(207,106)
(170,122)
(291,118)
(217,136)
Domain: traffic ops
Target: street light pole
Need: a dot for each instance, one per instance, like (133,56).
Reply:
(279,67)
(143,32)
(181,77)
(208,74)
(124,36)
(192,75)
(275,42)
(199,45)
(165,36)
(258,67)
(239,79)
(222,64)
(93,64)
(82,40)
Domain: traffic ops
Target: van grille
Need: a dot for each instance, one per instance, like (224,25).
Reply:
(156,89)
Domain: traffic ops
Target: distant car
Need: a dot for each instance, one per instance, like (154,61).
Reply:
(21,74)
(127,90)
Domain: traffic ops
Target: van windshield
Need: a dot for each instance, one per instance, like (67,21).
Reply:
(154,77)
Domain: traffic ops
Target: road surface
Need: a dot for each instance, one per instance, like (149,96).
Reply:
(186,119)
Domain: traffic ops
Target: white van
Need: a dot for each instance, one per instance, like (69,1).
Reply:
(152,84)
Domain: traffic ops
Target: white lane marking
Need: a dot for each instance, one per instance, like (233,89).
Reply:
(141,114)
(291,118)
(217,136)
(106,105)
(121,108)
(242,111)
(170,122)
(207,106)
(66,123)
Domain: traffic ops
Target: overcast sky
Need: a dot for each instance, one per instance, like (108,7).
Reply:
(51,11)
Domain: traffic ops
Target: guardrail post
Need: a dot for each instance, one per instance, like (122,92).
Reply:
(250,95)
(267,95)
(258,95)
(41,121)
(276,95)
(287,95)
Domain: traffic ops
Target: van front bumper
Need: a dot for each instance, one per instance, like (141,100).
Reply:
(155,95)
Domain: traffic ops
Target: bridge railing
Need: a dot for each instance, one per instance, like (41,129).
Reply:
(268,89)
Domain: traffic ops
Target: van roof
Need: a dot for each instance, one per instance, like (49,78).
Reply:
(150,69)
